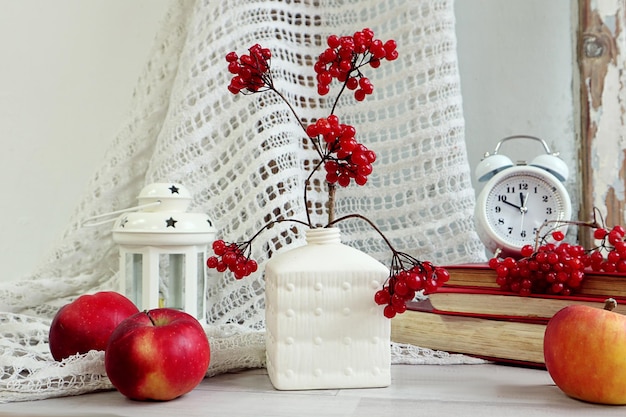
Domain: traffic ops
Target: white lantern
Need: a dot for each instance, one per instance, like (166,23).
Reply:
(163,251)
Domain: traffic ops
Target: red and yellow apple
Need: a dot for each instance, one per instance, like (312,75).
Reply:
(585,353)
(159,354)
(86,323)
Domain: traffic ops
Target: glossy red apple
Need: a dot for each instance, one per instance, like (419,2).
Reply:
(86,323)
(159,354)
(585,353)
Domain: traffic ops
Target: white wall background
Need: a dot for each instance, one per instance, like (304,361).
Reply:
(67,72)
(516,60)
(69,67)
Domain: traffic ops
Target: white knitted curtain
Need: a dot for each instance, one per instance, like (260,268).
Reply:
(243,159)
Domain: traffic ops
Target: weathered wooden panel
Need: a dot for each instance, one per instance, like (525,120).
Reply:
(602,63)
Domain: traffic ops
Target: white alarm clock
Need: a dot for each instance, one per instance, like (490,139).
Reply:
(517,199)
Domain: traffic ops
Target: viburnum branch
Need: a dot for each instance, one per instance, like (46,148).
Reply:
(368,221)
(404,280)
(340,154)
(332,192)
(307,184)
(313,142)
(235,256)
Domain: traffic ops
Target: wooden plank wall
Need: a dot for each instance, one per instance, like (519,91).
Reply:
(602,64)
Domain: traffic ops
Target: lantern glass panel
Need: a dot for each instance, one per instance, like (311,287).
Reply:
(134,274)
(172,280)
(201,290)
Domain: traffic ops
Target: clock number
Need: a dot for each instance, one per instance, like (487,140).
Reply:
(523,234)
(523,186)
(500,220)
(497,209)
(544,198)
(510,189)
(501,198)
(510,230)
(548,210)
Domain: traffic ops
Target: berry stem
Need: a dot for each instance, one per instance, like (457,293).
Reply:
(269,225)
(540,237)
(323,158)
(368,221)
(332,188)
(293,111)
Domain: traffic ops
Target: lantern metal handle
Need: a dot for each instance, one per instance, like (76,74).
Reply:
(90,221)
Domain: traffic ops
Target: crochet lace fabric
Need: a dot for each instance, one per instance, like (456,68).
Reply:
(244,161)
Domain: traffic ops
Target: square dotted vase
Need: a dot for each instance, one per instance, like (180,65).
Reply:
(323,328)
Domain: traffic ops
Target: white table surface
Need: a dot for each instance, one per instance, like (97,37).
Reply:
(416,390)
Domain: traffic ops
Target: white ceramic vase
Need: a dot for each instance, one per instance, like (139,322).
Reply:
(323,328)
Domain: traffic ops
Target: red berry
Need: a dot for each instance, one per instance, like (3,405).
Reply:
(359,95)
(382,297)
(251,265)
(414,281)
(390,45)
(599,233)
(219,247)
(558,235)
(212,262)
(322,90)
(389,311)
(360,179)
(231,57)
(613,257)
(343,180)
(400,288)
(391,56)
(333,41)
(619,230)
(527,250)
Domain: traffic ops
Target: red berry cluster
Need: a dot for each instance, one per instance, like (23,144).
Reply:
(403,285)
(559,268)
(251,71)
(611,241)
(231,256)
(345,55)
(345,158)
(551,269)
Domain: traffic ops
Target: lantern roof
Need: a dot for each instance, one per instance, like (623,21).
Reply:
(163,219)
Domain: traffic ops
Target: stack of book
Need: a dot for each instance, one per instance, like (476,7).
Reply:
(471,315)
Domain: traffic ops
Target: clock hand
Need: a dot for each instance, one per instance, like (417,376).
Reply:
(511,204)
(523,209)
(524,200)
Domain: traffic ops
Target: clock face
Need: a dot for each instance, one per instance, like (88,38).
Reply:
(516,202)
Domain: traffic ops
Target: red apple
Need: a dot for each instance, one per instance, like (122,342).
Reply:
(86,323)
(585,353)
(159,354)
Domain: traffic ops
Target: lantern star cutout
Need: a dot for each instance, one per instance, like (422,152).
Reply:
(174,189)
(171,222)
